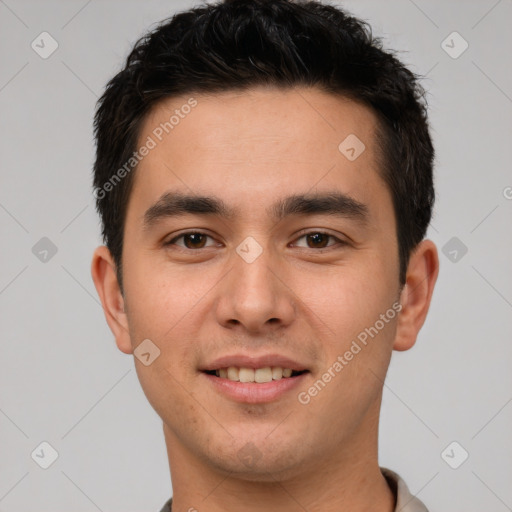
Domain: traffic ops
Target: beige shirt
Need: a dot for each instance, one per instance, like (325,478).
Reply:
(405,501)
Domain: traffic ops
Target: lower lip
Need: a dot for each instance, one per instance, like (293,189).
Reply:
(252,392)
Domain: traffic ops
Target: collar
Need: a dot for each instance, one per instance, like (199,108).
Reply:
(405,501)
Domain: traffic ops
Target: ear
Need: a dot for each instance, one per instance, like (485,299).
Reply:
(416,294)
(103,271)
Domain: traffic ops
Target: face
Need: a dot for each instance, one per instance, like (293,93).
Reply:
(287,262)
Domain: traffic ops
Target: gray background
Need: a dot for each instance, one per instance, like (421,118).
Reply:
(62,379)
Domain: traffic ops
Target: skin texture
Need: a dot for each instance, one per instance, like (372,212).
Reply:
(251,149)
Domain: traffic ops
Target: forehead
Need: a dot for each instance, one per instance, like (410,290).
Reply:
(251,146)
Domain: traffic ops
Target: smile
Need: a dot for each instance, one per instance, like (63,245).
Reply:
(259,375)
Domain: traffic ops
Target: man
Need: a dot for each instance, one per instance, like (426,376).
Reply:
(264,179)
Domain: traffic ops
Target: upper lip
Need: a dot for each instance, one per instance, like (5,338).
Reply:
(246,361)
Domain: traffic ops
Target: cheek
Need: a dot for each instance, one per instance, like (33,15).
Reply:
(347,298)
(167,305)
(161,297)
(167,393)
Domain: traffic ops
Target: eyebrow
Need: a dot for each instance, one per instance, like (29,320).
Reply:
(174,204)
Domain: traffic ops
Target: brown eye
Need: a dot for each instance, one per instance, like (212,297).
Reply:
(195,240)
(191,240)
(319,240)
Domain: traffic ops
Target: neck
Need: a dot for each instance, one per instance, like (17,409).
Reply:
(350,481)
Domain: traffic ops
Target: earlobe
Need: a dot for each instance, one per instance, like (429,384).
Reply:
(416,295)
(103,271)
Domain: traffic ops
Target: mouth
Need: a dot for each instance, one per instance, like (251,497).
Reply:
(254,379)
(258,375)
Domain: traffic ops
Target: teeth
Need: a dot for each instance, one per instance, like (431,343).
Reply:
(246,375)
(260,375)
(277,373)
(263,374)
(233,373)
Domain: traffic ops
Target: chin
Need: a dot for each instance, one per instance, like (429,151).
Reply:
(258,461)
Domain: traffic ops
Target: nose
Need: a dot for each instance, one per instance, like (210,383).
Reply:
(256,295)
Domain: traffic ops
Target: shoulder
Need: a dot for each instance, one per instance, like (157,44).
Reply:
(405,501)
(167,507)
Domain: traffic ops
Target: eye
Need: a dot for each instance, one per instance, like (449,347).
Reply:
(194,240)
(191,240)
(319,240)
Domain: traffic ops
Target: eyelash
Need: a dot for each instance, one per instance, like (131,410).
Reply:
(302,235)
